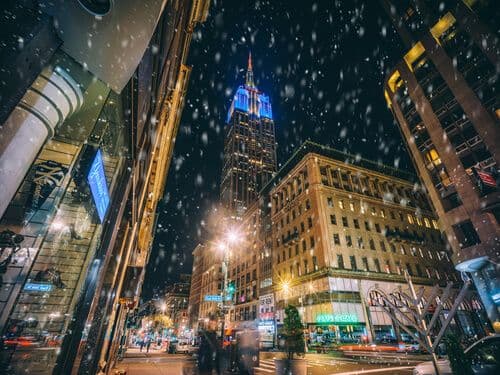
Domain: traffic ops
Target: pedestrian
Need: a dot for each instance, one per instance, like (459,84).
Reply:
(141,344)
(148,343)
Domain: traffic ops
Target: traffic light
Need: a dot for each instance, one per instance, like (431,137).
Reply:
(231,288)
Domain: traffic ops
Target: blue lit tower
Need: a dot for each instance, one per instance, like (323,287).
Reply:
(249,146)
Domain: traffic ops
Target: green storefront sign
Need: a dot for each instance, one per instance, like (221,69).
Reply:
(337,318)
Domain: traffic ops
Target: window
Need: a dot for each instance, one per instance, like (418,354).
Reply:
(403,250)
(302,227)
(362,208)
(309,222)
(427,222)
(435,224)
(410,218)
(351,206)
(374,212)
(361,245)
(341,204)
(344,221)
(311,239)
(419,270)
(387,266)
(289,252)
(306,266)
(393,217)
(382,213)
(372,244)
(377,227)
(315,263)
(304,246)
(329,201)
(356,223)
(367,225)
(365,264)
(348,240)
(336,239)
(333,219)
(377,265)
(296,249)
(419,221)
(409,269)
(466,234)
(340,261)
(382,246)
(308,204)
(354,266)
(393,247)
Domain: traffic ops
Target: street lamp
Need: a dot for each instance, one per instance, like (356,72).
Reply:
(232,237)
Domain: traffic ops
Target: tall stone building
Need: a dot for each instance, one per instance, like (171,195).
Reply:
(89,112)
(249,146)
(341,227)
(444,96)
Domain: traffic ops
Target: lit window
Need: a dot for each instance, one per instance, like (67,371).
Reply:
(433,157)
(351,206)
(410,219)
(374,212)
(382,213)
(419,221)
(341,204)
(427,222)
(435,224)
(362,208)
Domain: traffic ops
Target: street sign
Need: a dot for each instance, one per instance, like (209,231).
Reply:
(37,287)
(213,298)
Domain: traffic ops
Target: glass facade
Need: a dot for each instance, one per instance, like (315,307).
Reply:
(62,209)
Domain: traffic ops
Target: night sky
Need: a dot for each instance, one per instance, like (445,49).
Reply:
(323,65)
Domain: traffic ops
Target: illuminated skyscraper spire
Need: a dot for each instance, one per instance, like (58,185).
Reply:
(249,78)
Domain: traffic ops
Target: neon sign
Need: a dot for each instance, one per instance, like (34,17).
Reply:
(337,318)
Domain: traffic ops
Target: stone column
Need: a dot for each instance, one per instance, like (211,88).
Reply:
(52,97)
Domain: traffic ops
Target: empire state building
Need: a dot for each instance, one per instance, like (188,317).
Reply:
(249,146)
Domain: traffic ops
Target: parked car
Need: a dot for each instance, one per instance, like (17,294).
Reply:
(485,356)
(186,348)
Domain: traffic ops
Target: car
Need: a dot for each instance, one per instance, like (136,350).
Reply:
(185,348)
(485,356)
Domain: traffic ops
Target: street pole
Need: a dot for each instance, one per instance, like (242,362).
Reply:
(423,323)
(225,264)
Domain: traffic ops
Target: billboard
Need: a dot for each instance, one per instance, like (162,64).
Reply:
(98,186)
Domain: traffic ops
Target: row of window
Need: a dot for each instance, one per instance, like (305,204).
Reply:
(386,231)
(373,211)
(374,265)
(372,187)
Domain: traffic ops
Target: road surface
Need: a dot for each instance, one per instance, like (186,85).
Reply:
(159,363)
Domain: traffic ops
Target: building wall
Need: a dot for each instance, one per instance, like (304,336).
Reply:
(93,268)
(444,96)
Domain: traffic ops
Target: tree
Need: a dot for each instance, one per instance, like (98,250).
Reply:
(293,332)
(460,363)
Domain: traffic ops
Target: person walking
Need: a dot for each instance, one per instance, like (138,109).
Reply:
(148,343)
(141,343)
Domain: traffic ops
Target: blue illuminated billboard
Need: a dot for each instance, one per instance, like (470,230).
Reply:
(98,186)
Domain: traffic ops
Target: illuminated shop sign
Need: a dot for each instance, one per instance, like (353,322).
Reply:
(98,186)
(337,318)
(38,287)
(213,298)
